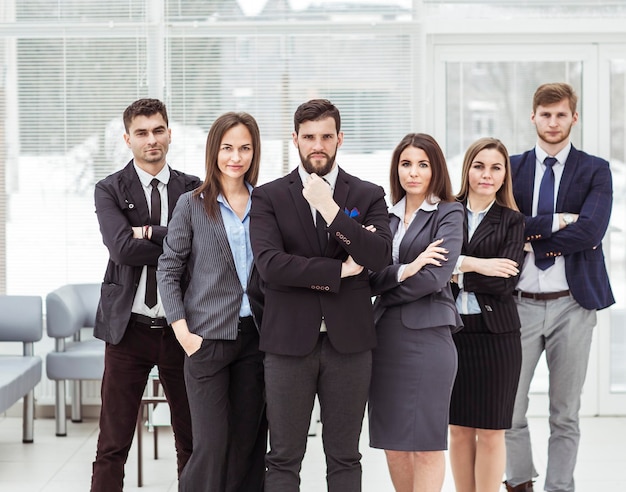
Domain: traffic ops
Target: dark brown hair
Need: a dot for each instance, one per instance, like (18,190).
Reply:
(440,185)
(144,107)
(212,186)
(315,110)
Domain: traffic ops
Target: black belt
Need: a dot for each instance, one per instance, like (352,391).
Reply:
(547,296)
(148,321)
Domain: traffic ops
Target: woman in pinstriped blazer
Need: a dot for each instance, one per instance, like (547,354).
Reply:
(203,276)
(489,347)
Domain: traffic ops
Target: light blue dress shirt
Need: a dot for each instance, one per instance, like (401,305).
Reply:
(238,232)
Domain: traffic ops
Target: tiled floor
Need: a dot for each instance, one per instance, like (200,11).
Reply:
(63,464)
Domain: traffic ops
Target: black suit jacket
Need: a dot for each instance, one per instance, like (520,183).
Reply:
(303,284)
(120,205)
(499,235)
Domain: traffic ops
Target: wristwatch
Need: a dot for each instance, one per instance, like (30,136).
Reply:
(568,219)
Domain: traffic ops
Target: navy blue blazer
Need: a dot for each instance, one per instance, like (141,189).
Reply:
(586,189)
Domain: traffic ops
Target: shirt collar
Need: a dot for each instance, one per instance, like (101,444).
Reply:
(163,176)
(331,177)
(484,211)
(561,157)
(221,199)
(427,205)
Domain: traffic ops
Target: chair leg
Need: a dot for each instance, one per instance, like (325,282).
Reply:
(59,409)
(77,401)
(155,431)
(28,417)
(139,446)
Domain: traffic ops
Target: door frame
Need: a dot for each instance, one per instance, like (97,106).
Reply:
(593,107)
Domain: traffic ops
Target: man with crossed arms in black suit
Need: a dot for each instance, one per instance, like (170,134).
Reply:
(130,317)
(318,329)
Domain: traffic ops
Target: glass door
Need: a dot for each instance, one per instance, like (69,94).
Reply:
(612,131)
(486,90)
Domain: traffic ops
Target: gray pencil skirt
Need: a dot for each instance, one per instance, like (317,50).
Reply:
(413,374)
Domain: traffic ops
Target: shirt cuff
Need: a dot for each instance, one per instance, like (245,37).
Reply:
(457,267)
(555,223)
(400,272)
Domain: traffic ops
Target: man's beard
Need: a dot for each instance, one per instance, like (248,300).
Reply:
(551,140)
(321,169)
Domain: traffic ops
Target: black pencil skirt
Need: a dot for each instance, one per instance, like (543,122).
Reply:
(486,382)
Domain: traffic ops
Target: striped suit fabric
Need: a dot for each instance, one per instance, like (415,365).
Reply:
(489,348)
(224,378)
(197,255)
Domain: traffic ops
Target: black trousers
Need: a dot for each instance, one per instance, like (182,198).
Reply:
(126,369)
(226,396)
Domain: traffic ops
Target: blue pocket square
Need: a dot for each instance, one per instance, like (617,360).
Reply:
(352,213)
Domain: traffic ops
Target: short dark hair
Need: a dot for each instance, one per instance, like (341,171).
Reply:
(552,93)
(440,185)
(144,107)
(315,110)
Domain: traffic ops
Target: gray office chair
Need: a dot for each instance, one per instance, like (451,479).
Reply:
(20,321)
(71,310)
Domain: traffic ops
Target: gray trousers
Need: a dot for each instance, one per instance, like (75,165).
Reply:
(341,382)
(564,330)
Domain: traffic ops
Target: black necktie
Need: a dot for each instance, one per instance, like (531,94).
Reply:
(155,219)
(322,235)
(545,203)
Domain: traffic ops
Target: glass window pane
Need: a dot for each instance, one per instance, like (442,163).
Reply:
(495,99)
(617,230)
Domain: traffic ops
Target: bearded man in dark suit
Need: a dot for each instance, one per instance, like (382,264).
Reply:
(314,234)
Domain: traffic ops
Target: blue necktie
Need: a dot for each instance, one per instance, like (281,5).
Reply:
(545,204)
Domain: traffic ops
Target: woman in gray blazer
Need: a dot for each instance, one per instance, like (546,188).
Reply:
(204,275)
(414,364)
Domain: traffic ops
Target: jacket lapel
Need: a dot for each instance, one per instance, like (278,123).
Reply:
(136,198)
(217,225)
(303,210)
(485,228)
(569,171)
(175,188)
(527,180)
(420,222)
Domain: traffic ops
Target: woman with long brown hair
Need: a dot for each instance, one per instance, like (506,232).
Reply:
(204,279)
(414,363)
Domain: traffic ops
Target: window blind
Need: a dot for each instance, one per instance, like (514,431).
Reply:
(76,65)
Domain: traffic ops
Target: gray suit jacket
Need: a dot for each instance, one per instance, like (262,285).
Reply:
(425,298)
(196,246)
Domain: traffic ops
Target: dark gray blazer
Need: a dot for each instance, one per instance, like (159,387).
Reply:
(196,246)
(121,205)
(425,298)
